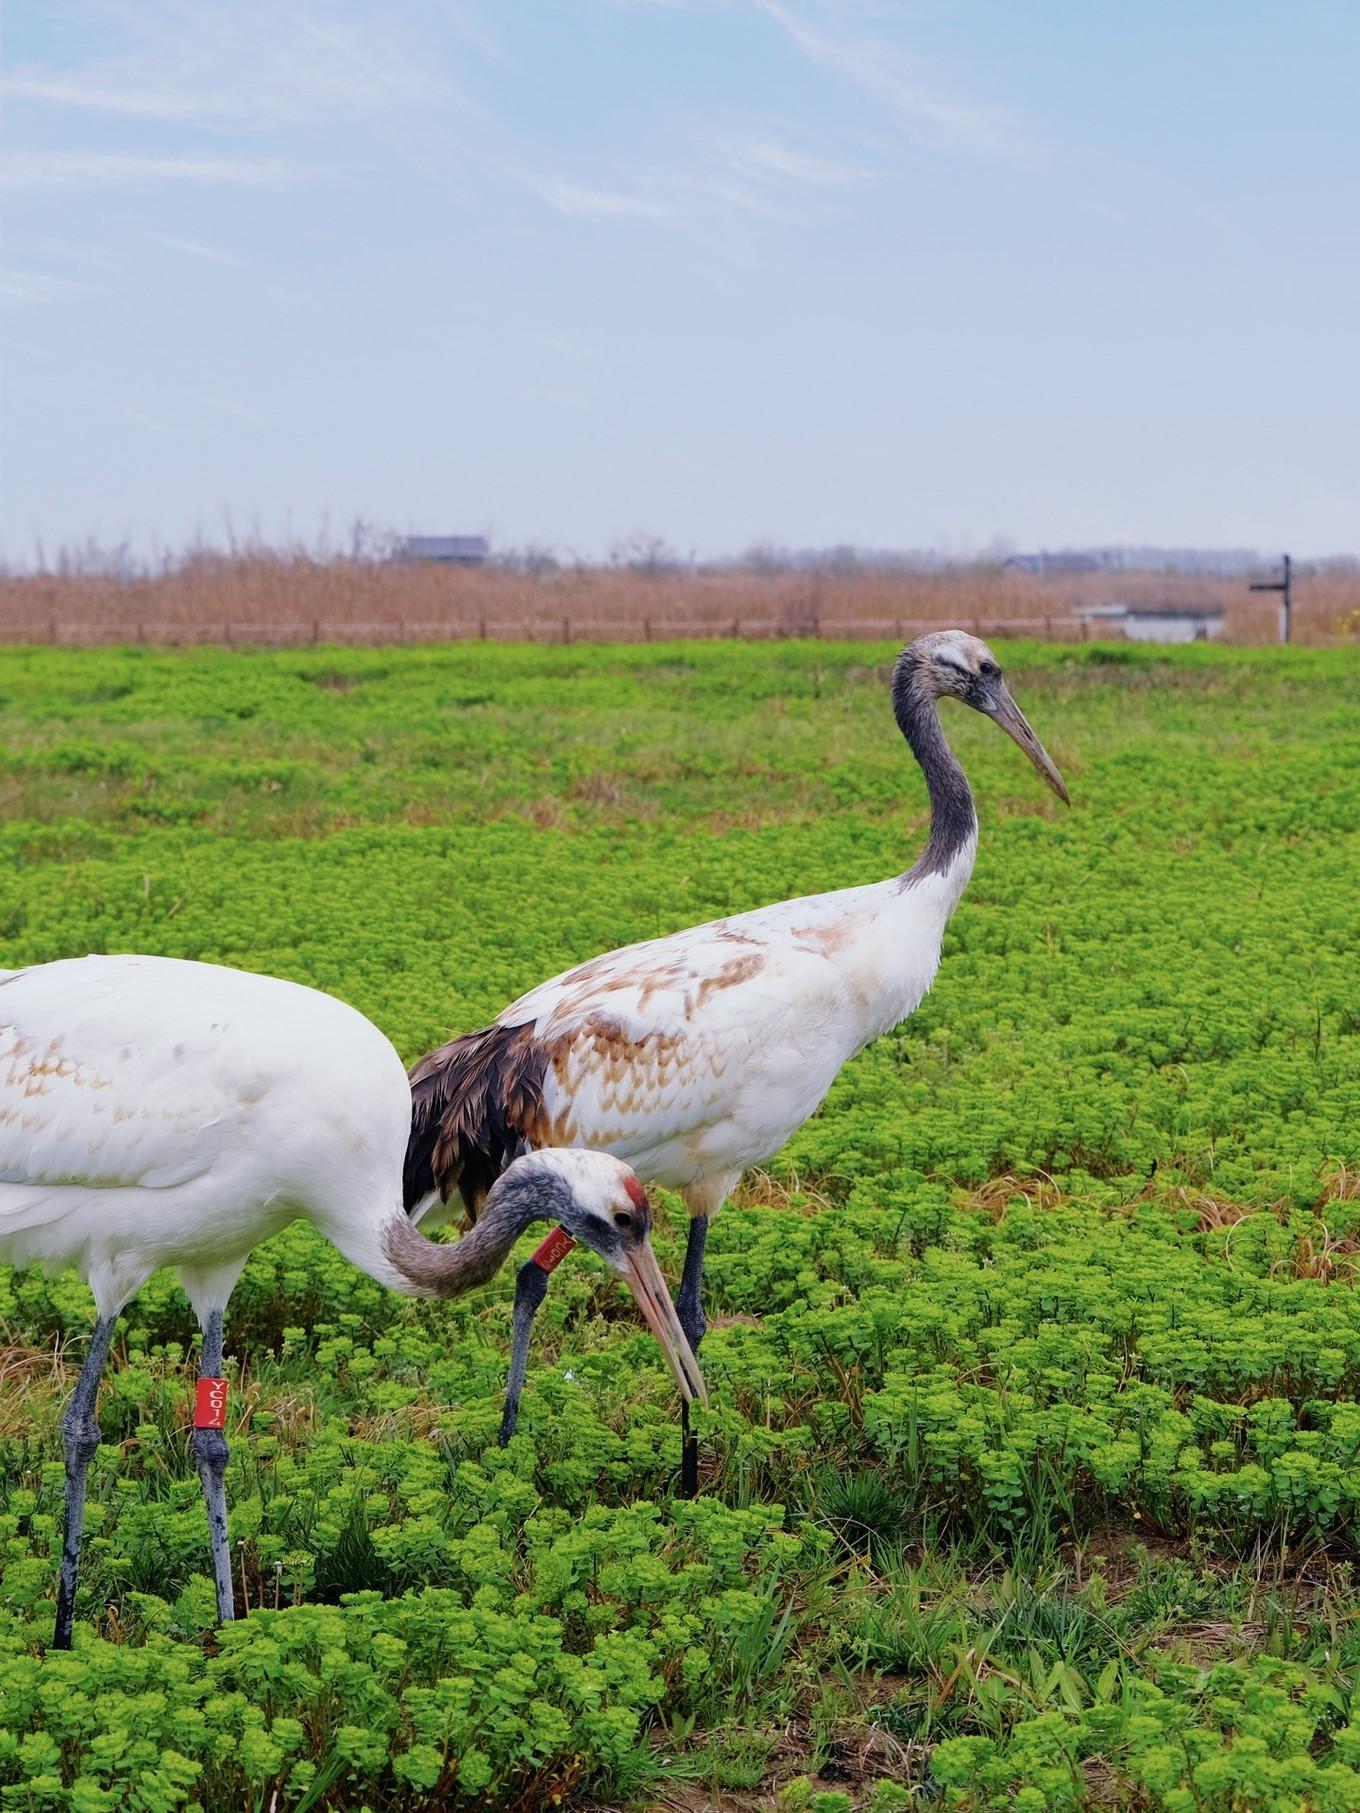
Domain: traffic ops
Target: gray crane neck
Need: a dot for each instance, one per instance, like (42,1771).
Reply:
(953,820)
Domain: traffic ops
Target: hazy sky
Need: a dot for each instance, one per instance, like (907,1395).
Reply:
(805,270)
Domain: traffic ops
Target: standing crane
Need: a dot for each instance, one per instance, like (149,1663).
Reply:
(162,1113)
(696,1055)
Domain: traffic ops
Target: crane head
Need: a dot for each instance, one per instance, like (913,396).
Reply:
(598,1201)
(952,663)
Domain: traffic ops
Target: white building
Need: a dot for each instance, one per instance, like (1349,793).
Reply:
(1156,622)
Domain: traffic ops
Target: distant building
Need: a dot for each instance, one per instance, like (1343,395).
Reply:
(444,550)
(1156,622)
(1046,563)
(1205,562)
(1173,622)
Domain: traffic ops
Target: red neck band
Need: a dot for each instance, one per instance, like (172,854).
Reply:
(552,1251)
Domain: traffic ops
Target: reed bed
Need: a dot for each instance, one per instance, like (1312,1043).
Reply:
(287,600)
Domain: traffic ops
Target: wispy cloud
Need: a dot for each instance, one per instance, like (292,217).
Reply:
(767,157)
(753,174)
(896,80)
(362,73)
(736,195)
(145,421)
(600,204)
(226,406)
(860,41)
(251,64)
(86,169)
(95,94)
(37,286)
(192,249)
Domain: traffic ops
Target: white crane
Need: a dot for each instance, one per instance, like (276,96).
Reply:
(697,1055)
(162,1113)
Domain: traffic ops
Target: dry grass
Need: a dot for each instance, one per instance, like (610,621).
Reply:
(29,1376)
(761,1189)
(1328,1257)
(1212,1212)
(1340,1183)
(995,1196)
(260,599)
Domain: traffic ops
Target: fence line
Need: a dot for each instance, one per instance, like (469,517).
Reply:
(220,632)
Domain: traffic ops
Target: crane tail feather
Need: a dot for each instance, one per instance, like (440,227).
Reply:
(475,1104)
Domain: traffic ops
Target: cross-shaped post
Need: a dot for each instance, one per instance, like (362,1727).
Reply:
(1283,586)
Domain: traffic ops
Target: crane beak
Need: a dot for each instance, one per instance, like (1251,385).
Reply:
(642,1275)
(1004,711)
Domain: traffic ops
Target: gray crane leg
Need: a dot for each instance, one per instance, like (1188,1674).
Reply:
(211,1453)
(689,1309)
(689,1301)
(531,1287)
(79,1439)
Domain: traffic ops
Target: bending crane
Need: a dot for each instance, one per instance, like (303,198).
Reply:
(159,1113)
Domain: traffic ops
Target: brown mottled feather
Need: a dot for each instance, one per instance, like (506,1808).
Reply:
(627,1028)
(474,1102)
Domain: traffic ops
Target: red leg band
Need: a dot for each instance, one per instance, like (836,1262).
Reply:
(553,1250)
(210,1404)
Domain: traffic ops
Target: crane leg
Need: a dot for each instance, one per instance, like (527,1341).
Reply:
(531,1287)
(689,1301)
(211,1453)
(79,1439)
(689,1310)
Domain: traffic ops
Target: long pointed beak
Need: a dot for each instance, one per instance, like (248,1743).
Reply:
(1012,720)
(643,1277)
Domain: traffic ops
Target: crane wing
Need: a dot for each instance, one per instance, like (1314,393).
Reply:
(659,1046)
(643,1052)
(114,1075)
(639,1050)
(666,985)
(642,1036)
(709,975)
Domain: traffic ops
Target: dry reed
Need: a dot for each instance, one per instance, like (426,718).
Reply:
(261,599)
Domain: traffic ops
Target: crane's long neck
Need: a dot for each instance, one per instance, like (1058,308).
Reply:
(953,822)
(428,1269)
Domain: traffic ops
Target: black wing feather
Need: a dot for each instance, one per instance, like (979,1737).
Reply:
(476,1103)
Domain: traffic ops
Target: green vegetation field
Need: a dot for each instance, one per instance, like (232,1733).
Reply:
(1033,1467)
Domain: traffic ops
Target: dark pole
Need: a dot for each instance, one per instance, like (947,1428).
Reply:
(1285,588)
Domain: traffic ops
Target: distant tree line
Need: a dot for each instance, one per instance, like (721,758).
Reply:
(644,552)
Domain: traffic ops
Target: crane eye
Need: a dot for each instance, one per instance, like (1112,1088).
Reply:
(623,1219)
(988,669)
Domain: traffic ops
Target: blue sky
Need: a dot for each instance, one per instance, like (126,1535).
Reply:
(809,271)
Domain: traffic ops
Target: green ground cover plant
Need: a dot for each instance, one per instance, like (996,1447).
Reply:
(1032,1472)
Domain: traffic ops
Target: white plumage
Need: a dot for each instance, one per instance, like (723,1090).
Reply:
(162,1113)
